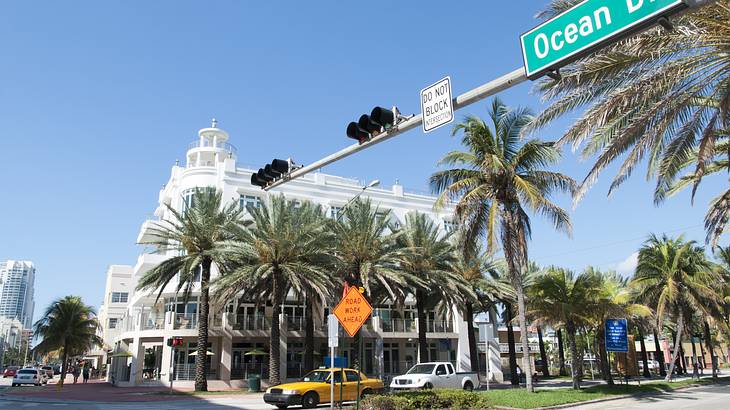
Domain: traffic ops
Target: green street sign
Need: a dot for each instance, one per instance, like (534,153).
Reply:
(586,27)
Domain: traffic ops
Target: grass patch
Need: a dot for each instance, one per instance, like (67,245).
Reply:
(518,398)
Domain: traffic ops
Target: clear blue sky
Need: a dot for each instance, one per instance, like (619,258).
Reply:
(98,99)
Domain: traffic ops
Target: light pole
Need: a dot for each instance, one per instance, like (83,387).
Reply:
(372,184)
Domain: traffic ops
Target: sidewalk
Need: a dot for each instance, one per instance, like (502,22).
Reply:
(96,391)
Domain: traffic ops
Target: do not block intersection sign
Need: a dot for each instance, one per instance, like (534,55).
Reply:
(436,105)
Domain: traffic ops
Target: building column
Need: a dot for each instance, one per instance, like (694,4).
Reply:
(135,376)
(166,366)
(463,355)
(226,356)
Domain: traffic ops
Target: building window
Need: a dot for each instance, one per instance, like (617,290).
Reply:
(246,201)
(113,323)
(120,297)
(450,226)
(336,211)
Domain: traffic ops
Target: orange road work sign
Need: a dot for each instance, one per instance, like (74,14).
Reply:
(353,310)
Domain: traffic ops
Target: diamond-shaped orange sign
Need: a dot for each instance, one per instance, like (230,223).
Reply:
(352,311)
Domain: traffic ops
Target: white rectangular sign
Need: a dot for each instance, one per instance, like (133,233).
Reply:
(333,329)
(436,105)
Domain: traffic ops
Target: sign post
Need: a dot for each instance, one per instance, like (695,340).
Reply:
(332,342)
(352,312)
(437,106)
(587,27)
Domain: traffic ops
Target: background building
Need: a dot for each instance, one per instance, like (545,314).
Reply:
(239,333)
(16,291)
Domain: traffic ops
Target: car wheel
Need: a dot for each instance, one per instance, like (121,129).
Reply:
(310,400)
(365,392)
(468,386)
(428,386)
(282,406)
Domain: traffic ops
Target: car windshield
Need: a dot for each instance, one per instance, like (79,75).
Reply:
(316,376)
(47,367)
(28,371)
(422,369)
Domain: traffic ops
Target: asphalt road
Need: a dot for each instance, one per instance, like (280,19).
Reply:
(704,398)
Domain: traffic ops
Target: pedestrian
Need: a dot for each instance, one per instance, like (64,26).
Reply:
(86,374)
(76,373)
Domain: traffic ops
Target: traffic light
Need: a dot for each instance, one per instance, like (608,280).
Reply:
(380,120)
(271,172)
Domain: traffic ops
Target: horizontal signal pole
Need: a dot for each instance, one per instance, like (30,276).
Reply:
(470,97)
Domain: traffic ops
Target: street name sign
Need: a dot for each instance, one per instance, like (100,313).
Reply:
(587,27)
(352,311)
(437,109)
(333,330)
(617,337)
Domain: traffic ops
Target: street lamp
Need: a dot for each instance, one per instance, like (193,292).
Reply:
(372,184)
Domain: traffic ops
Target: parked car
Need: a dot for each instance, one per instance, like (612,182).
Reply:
(32,376)
(56,369)
(49,371)
(314,388)
(10,371)
(435,375)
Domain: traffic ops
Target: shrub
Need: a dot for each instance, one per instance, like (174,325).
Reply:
(431,399)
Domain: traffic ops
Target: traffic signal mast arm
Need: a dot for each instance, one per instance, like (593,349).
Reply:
(470,97)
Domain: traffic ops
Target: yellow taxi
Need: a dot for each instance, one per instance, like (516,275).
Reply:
(314,388)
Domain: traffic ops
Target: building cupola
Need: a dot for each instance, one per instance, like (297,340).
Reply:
(211,148)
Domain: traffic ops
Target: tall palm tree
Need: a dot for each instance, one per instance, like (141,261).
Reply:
(560,297)
(663,96)
(198,234)
(70,326)
(428,255)
(495,182)
(284,247)
(674,277)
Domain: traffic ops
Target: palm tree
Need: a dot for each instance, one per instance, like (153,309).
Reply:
(615,300)
(559,297)
(284,247)
(478,270)
(70,326)
(674,277)
(660,95)
(198,236)
(495,182)
(428,255)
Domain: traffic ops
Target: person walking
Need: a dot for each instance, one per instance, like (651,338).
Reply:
(86,374)
(76,373)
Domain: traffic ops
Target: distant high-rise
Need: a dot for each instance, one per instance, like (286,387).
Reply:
(16,291)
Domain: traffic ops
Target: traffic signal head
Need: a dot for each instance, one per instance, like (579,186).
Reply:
(255,180)
(271,172)
(383,117)
(281,166)
(355,132)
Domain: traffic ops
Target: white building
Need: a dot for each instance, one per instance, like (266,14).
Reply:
(113,309)
(390,336)
(17,279)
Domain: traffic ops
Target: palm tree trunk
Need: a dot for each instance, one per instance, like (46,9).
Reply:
(514,379)
(694,353)
(575,359)
(644,354)
(543,356)
(308,333)
(677,345)
(511,247)
(659,355)
(64,366)
(708,342)
(473,352)
(421,314)
(603,354)
(561,354)
(274,339)
(201,374)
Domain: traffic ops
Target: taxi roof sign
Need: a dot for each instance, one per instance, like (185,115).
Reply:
(352,311)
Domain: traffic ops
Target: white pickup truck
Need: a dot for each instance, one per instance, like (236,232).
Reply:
(435,375)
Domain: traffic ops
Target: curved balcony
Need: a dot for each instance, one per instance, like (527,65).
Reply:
(209,144)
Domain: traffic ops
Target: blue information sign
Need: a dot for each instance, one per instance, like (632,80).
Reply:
(617,338)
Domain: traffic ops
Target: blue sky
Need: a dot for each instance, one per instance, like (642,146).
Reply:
(98,100)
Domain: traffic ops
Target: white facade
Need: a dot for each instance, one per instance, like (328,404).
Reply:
(17,279)
(390,335)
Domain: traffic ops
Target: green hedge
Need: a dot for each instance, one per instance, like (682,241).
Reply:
(429,399)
